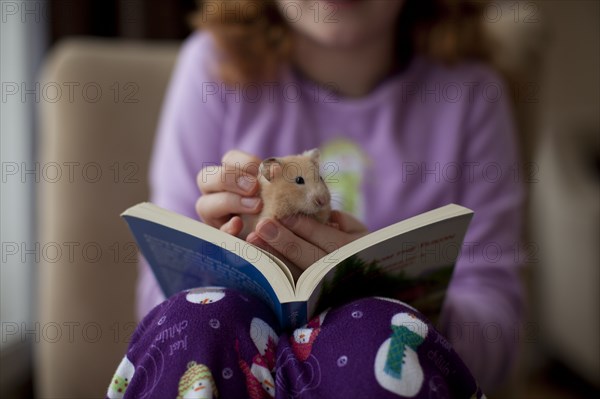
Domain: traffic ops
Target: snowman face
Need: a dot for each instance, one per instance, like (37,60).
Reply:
(118,386)
(121,379)
(204,296)
(200,390)
(302,335)
(412,322)
(268,386)
(263,375)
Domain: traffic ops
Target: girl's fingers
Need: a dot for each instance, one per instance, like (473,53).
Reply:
(234,226)
(214,179)
(254,239)
(237,174)
(326,237)
(341,230)
(247,162)
(295,249)
(347,222)
(216,209)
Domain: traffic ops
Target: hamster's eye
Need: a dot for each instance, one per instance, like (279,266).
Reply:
(299,180)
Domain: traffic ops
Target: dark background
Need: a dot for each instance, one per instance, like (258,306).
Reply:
(135,19)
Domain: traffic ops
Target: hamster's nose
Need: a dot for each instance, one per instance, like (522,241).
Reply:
(320,200)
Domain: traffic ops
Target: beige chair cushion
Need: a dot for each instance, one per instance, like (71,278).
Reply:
(99,106)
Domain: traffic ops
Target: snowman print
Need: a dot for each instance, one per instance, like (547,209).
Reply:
(205,295)
(397,367)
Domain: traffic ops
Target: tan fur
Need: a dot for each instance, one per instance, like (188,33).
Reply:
(283,197)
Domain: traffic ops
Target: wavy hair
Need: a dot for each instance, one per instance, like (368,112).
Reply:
(256,39)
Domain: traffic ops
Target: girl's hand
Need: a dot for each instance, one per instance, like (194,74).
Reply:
(228,190)
(301,240)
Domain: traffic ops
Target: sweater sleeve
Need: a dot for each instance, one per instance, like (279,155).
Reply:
(485,300)
(188,138)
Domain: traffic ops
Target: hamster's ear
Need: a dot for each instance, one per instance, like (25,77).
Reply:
(270,168)
(314,155)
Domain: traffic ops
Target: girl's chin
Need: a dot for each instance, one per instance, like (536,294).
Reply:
(339,38)
(353,26)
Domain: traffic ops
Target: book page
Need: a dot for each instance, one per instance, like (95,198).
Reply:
(411,261)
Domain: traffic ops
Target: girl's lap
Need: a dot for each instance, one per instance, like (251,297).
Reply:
(212,341)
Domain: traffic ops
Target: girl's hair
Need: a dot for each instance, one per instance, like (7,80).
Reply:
(255,38)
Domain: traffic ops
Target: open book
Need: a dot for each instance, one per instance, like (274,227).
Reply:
(411,261)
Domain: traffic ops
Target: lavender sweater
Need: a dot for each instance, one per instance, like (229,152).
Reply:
(426,137)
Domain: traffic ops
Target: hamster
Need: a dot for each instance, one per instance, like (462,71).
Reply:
(290,186)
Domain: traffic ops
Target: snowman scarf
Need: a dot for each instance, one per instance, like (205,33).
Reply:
(401,338)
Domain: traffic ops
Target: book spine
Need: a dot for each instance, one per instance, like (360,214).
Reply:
(294,315)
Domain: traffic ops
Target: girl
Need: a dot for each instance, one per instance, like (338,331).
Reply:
(392,93)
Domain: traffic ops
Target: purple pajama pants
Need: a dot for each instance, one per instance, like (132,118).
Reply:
(218,343)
